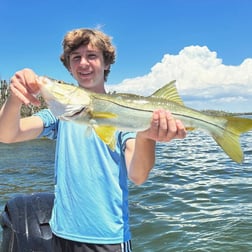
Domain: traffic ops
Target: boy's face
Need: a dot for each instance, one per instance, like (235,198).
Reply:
(86,64)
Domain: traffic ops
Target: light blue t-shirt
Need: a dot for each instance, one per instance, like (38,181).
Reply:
(91,192)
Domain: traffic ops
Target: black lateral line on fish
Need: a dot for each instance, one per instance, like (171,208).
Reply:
(200,120)
(174,113)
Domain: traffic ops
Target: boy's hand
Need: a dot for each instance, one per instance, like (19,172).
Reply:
(23,85)
(164,127)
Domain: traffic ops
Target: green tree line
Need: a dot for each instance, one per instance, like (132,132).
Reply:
(31,109)
(25,110)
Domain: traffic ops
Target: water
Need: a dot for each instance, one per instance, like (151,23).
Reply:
(196,199)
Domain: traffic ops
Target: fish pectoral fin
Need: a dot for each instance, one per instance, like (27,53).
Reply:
(103,115)
(169,92)
(106,134)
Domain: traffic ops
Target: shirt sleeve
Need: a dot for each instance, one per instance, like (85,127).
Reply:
(50,124)
(124,136)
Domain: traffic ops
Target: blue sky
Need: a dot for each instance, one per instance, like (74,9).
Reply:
(206,45)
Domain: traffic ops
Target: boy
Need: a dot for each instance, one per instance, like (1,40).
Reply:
(90,211)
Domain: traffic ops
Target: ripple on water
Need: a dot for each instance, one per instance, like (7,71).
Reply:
(196,198)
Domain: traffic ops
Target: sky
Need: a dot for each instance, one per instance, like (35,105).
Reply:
(205,45)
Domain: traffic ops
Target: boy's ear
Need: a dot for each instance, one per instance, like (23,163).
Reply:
(107,67)
(69,70)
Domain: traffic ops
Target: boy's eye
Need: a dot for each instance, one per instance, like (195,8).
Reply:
(75,58)
(92,56)
(89,56)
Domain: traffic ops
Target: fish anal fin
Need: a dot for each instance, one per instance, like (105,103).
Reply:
(107,134)
(168,92)
(112,144)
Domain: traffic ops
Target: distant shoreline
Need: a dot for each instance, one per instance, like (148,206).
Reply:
(31,109)
(25,110)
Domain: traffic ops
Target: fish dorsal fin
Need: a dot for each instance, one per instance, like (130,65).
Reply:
(168,92)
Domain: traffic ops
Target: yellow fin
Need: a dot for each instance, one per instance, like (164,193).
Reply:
(103,115)
(229,141)
(169,92)
(190,128)
(106,134)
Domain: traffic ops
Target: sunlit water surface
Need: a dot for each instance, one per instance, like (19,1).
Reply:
(196,198)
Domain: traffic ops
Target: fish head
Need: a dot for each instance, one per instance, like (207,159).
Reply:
(67,102)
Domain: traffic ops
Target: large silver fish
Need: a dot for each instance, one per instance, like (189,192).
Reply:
(106,113)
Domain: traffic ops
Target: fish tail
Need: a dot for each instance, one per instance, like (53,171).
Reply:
(230,139)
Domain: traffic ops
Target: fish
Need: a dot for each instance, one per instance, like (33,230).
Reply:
(107,113)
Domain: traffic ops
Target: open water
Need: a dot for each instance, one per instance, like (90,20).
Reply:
(196,198)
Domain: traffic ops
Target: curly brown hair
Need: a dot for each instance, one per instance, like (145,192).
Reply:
(76,38)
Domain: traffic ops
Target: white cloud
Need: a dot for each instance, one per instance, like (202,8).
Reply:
(203,80)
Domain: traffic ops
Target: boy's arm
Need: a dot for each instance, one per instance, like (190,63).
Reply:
(13,128)
(140,152)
